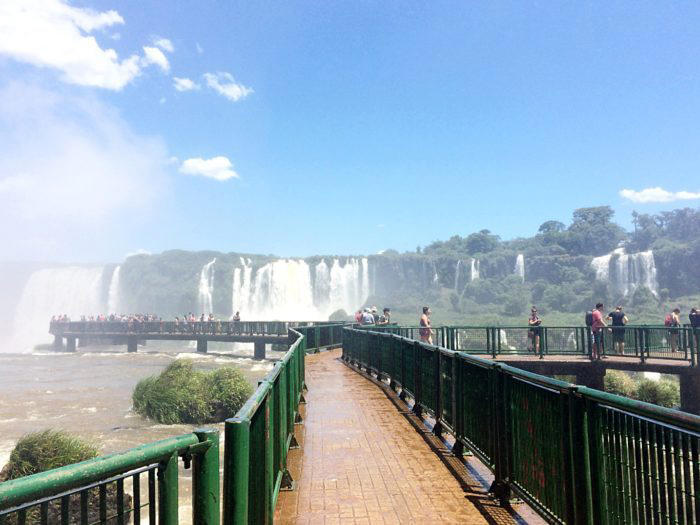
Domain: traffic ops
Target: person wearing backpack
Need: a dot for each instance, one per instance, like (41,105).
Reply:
(597,325)
(694,318)
(619,320)
(673,321)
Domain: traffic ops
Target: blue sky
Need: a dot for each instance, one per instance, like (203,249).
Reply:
(351,127)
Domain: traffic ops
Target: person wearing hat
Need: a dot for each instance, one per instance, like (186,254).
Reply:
(385,318)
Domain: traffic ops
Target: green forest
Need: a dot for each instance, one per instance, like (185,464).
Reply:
(559,278)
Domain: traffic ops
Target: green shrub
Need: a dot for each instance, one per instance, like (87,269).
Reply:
(619,383)
(181,394)
(664,392)
(46,450)
(228,391)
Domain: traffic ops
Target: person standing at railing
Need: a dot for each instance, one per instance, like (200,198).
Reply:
(597,328)
(534,323)
(425,332)
(619,320)
(385,318)
(673,321)
(367,317)
(694,318)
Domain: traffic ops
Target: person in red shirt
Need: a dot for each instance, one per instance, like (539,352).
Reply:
(597,329)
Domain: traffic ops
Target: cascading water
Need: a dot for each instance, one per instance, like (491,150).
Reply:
(474,270)
(286,289)
(206,288)
(113,293)
(71,290)
(626,272)
(520,266)
(457,272)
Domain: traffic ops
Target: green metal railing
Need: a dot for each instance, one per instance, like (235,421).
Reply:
(643,341)
(257,441)
(111,489)
(574,454)
(110,328)
(260,436)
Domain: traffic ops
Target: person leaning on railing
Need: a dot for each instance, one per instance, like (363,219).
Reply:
(619,320)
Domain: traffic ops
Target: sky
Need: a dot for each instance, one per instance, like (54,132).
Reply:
(301,128)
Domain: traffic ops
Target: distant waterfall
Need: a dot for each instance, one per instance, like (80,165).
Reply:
(626,272)
(286,288)
(206,288)
(71,290)
(520,266)
(113,294)
(474,270)
(457,271)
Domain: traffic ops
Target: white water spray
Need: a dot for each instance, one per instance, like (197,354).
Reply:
(520,266)
(474,270)
(113,297)
(206,288)
(71,290)
(626,272)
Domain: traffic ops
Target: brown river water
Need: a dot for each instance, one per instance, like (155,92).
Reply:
(89,392)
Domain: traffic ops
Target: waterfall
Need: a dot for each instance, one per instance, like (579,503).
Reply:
(240,298)
(520,266)
(113,294)
(285,289)
(206,288)
(457,269)
(474,270)
(70,290)
(626,272)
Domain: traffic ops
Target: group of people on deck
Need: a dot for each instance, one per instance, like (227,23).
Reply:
(596,321)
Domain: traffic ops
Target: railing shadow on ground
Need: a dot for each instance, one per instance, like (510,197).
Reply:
(576,455)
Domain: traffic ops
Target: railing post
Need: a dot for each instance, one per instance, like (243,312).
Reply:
(236,469)
(205,480)
(168,490)
(543,340)
(416,378)
(501,403)
(458,427)
(437,378)
(596,504)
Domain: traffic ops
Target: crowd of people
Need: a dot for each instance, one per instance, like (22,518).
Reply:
(597,321)
(370,315)
(187,323)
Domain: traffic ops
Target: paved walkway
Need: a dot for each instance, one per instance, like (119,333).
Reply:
(361,461)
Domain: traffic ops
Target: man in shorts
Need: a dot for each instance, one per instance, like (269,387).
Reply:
(619,320)
(597,329)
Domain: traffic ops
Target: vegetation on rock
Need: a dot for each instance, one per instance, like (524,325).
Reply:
(182,394)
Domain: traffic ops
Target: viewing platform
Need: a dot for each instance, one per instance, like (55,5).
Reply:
(395,430)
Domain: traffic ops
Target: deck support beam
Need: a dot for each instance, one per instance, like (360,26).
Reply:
(259,349)
(690,392)
(132,344)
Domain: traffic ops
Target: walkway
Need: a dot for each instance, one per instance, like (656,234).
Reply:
(361,461)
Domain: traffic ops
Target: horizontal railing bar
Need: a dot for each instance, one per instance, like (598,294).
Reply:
(80,489)
(21,490)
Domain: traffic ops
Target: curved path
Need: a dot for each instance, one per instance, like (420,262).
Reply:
(361,461)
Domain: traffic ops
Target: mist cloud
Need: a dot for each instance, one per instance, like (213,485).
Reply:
(71,169)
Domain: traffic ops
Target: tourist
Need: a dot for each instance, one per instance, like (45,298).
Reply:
(358,316)
(425,332)
(367,317)
(236,317)
(535,330)
(673,321)
(694,318)
(619,320)
(385,318)
(597,325)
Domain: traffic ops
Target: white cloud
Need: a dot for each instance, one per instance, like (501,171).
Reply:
(224,84)
(54,34)
(218,168)
(72,173)
(164,44)
(184,84)
(200,49)
(153,55)
(658,194)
